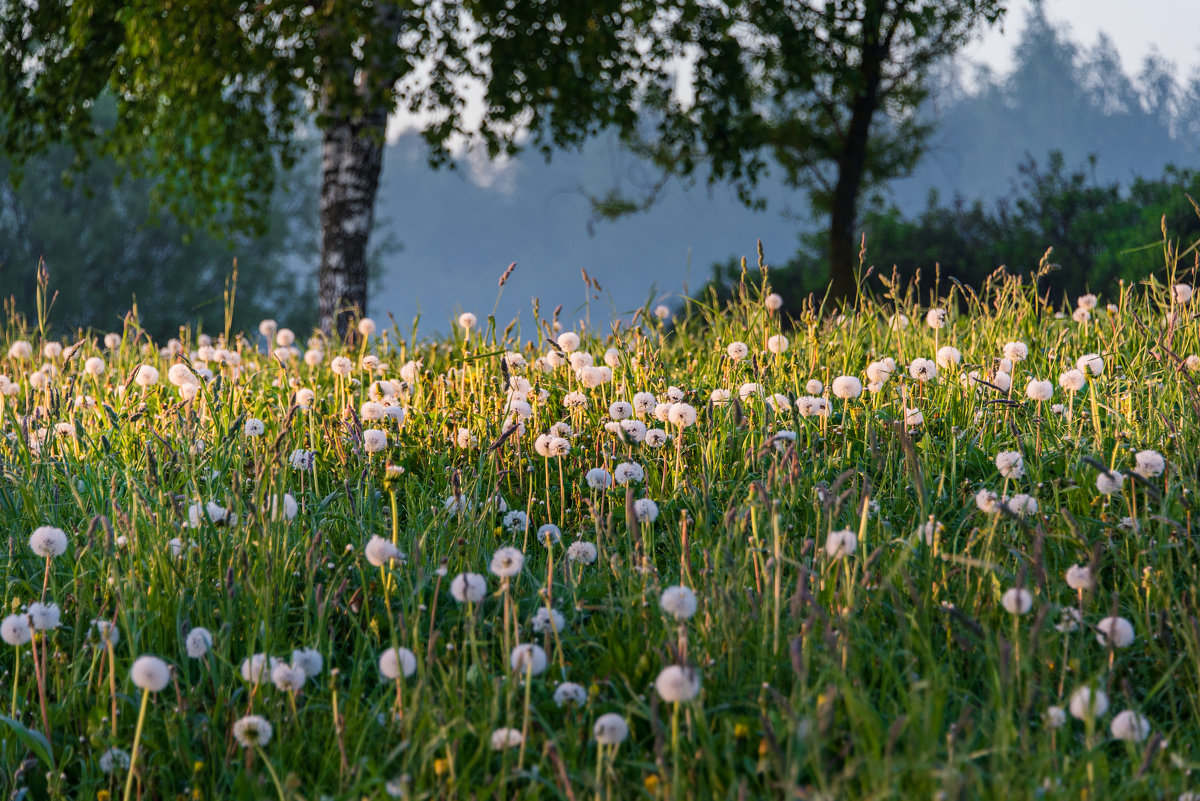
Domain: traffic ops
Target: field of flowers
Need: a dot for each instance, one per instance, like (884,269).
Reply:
(928,550)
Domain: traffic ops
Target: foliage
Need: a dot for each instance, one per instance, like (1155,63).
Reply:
(101,242)
(893,668)
(1101,234)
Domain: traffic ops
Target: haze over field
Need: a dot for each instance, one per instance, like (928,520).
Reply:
(537,214)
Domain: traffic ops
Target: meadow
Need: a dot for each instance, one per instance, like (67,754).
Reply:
(936,548)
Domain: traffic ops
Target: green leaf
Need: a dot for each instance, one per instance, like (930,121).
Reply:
(35,741)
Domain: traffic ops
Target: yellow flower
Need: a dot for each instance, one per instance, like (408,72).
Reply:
(102,795)
(651,783)
(740,730)
(440,766)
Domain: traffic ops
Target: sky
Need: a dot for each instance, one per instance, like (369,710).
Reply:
(1134,26)
(460,274)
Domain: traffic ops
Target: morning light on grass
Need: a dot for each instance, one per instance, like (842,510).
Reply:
(935,547)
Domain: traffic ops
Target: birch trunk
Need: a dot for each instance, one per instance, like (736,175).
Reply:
(351,161)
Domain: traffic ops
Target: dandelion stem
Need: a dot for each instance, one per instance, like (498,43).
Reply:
(137,739)
(270,769)
(16,682)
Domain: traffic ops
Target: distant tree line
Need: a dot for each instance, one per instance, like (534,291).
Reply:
(1091,198)
(104,245)
(1101,233)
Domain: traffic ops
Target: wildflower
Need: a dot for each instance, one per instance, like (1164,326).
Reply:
(106,632)
(749,389)
(1114,632)
(575,400)
(814,386)
(880,371)
(679,602)
(635,429)
(549,535)
(1017,601)
(113,760)
(507,562)
(150,673)
(898,322)
(626,472)
(1087,301)
(20,350)
(285,507)
(773,303)
(254,427)
(1081,315)
(370,411)
(251,731)
(1149,463)
(1010,464)
(15,630)
(1069,619)
(987,502)
(305,398)
(1086,702)
(1090,362)
(309,660)
(646,510)
(948,356)
(620,410)
(1108,482)
(737,350)
(936,318)
(1002,381)
(929,531)
(381,552)
(287,678)
(644,403)
(841,543)
(1129,726)
(528,658)
(44,617)
(395,662)
(656,437)
(1022,504)
(610,729)
(612,357)
(913,417)
(675,684)
(809,406)
(1039,390)
(547,619)
(374,440)
(570,693)
(1072,380)
(410,371)
(197,642)
(1055,716)
(922,369)
(682,415)
(506,738)
(314,356)
(847,387)
(94,366)
(1079,577)
(1016,351)
(568,341)
(466,321)
(581,552)
(366,327)
(301,459)
(341,366)
(468,588)
(598,478)
(48,541)
(777,343)
(146,376)
(515,521)
(1181,293)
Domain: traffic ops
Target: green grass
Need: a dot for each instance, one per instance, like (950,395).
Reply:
(893,672)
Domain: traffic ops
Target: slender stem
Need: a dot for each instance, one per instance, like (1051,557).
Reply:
(137,739)
(16,682)
(270,769)
(525,718)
